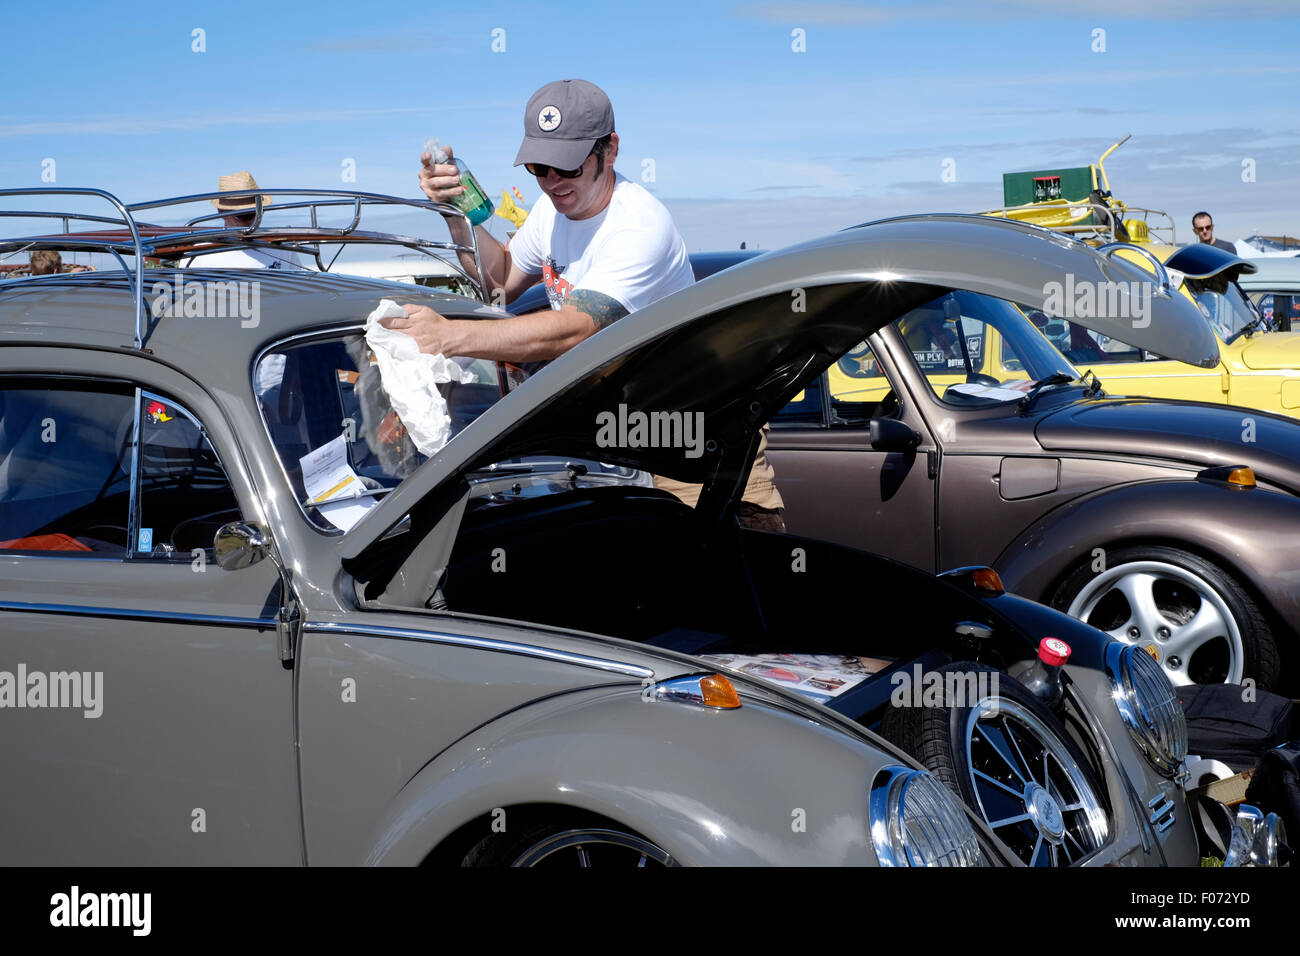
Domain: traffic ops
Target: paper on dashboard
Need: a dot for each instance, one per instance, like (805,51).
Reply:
(332,486)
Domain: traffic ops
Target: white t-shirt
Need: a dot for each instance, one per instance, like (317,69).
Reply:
(631,251)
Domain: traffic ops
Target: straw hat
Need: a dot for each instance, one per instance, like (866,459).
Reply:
(234,182)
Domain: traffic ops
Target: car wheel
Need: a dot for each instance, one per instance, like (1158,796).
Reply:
(567,847)
(1189,615)
(1007,756)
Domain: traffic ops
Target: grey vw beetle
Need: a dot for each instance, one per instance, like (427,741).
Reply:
(499,662)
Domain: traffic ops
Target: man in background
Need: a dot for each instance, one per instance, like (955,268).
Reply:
(1203,226)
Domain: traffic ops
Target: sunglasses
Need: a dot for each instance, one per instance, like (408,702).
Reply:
(541,170)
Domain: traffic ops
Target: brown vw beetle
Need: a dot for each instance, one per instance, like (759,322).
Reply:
(1171,525)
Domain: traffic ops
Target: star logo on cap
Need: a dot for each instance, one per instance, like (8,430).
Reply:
(548,119)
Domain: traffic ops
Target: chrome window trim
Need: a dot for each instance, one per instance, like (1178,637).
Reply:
(141,394)
(480,643)
(133,499)
(80,610)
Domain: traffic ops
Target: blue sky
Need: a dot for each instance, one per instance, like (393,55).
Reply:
(750,140)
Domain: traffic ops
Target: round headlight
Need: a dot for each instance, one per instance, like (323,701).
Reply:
(916,821)
(1149,706)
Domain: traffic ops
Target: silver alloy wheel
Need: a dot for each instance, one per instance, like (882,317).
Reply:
(1176,641)
(1031,792)
(588,847)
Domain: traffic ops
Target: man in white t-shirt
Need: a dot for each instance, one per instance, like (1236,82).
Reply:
(602,245)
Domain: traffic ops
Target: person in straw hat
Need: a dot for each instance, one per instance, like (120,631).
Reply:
(242,215)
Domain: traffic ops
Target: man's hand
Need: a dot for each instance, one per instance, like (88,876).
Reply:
(432,332)
(533,337)
(439,181)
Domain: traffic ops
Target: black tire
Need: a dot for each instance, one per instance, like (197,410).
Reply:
(1183,585)
(566,846)
(1041,776)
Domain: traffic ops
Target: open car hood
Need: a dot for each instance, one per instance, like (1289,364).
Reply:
(731,351)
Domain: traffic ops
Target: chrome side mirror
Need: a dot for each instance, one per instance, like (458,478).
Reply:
(238,545)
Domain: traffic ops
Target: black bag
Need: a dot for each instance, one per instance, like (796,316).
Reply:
(1223,726)
(1275,788)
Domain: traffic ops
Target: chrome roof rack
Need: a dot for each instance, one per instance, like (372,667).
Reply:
(118,244)
(194,239)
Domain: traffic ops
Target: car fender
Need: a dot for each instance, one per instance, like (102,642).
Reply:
(695,780)
(1253,534)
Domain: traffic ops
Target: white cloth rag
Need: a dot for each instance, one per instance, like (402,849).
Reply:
(411,378)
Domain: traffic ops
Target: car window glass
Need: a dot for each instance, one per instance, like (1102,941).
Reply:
(184,493)
(859,389)
(65,468)
(1080,345)
(1280,309)
(326,397)
(805,408)
(949,341)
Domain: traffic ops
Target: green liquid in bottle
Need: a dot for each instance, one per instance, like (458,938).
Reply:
(473,202)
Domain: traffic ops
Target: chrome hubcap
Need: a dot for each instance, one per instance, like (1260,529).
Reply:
(1044,812)
(1171,613)
(1030,791)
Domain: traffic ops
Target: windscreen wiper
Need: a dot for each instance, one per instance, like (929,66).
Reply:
(1056,378)
(1247,330)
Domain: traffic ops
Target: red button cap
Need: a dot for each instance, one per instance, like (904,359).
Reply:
(1054,651)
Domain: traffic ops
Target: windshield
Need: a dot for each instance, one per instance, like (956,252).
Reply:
(977,350)
(1227,309)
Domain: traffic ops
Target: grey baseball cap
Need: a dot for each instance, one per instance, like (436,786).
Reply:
(561,123)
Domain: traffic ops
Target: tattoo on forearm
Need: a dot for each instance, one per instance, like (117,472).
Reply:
(603,309)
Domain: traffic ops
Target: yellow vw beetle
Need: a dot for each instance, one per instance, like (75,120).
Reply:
(1258,368)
